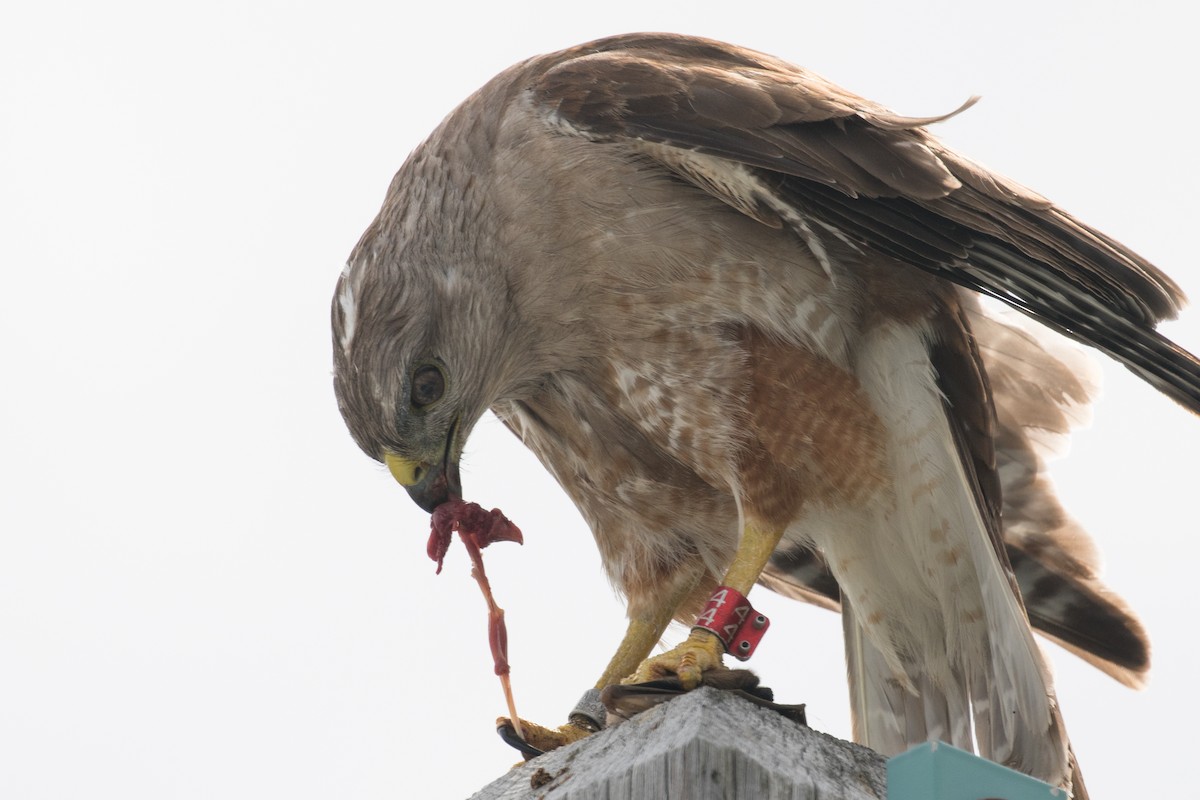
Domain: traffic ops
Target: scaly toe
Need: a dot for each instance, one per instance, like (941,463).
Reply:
(543,739)
(688,661)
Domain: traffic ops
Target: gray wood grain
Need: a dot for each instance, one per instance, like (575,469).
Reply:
(705,744)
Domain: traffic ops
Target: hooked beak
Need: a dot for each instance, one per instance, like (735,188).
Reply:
(428,484)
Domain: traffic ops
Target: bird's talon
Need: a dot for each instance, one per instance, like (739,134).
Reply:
(688,661)
(539,739)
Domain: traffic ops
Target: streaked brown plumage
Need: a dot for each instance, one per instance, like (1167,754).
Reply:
(728,305)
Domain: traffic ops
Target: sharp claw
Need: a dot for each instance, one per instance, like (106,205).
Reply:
(538,739)
(508,733)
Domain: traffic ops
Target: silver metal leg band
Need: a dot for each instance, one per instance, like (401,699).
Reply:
(589,712)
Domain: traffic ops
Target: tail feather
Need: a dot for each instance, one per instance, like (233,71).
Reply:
(1082,616)
(963,650)
(1001,699)
(1017,722)
(890,718)
(1042,387)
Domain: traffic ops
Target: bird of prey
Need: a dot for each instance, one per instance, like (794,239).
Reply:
(734,309)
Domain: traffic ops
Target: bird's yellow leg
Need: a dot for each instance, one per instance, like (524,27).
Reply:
(702,650)
(644,631)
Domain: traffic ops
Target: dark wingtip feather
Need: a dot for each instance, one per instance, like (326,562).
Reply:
(1085,618)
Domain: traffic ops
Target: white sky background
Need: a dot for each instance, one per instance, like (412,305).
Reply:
(206,590)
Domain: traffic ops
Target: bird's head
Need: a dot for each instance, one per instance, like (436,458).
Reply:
(419,356)
(441,312)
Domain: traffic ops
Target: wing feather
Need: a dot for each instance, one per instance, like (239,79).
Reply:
(878,179)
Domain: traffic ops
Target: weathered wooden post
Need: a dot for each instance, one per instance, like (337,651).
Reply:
(704,745)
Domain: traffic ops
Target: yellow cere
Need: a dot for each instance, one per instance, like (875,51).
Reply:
(405,471)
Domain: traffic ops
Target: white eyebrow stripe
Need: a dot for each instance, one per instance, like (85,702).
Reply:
(349,311)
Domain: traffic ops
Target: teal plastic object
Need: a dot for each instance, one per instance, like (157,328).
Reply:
(937,771)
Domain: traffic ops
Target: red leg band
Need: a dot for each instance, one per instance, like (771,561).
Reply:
(734,621)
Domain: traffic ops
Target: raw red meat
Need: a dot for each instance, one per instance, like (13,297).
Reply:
(477,529)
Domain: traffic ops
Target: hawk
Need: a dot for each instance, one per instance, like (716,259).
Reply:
(734,309)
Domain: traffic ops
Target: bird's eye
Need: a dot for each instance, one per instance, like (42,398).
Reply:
(428,385)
